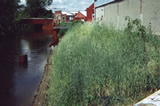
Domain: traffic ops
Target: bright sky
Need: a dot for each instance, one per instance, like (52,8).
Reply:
(69,5)
(23,2)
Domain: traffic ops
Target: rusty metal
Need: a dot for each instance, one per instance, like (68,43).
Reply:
(23,59)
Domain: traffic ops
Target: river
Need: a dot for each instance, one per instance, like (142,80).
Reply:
(19,83)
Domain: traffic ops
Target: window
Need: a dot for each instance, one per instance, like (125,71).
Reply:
(70,18)
(59,17)
(63,19)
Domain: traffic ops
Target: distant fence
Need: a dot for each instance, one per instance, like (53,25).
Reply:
(146,10)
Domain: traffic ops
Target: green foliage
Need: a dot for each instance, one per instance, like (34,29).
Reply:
(76,22)
(97,65)
(8,8)
(11,12)
(37,8)
(69,26)
(135,26)
(21,13)
(33,9)
(63,31)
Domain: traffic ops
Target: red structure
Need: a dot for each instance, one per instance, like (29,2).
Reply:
(36,20)
(79,16)
(46,22)
(47,26)
(90,13)
(60,16)
(54,37)
(57,17)
(23,59)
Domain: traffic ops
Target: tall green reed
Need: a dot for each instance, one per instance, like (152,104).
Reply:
(94,64)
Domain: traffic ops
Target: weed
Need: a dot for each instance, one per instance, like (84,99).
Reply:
(97,65)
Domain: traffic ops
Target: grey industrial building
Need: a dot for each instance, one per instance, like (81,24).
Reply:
(114,12)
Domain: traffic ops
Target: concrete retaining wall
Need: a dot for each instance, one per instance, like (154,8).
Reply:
(146,10)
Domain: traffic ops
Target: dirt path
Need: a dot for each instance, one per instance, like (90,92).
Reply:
(41,96)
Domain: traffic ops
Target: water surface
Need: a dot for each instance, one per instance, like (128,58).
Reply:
(19,83)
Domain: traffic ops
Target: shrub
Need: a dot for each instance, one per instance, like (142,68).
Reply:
(68,25)
(97,65)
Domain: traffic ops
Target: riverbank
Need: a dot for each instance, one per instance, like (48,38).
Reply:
(41,96)
(98,65)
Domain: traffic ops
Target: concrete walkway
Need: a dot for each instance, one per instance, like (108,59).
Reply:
(152,100)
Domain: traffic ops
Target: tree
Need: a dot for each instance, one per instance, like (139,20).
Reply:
(8,8)
(36,8)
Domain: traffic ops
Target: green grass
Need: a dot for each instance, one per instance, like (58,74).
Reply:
(99,65)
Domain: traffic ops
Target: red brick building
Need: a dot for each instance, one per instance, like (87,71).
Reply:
(60,16)
(57,17)
(87,15)
(90,13)
(79,16)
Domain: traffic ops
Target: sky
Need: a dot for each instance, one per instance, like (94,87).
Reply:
(68,5)
(23,2)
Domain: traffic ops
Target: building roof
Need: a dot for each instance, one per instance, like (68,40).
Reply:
(84,13)
(79,15)
(67,13)
(74,13)
(91,5)
(99,3)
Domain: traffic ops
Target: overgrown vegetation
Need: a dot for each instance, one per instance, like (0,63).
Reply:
(68,26)
(97,65)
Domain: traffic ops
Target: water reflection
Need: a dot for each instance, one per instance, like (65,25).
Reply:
(25,47)
(19,83)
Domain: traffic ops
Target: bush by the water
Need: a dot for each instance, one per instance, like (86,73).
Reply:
(68,26)
(97,65)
